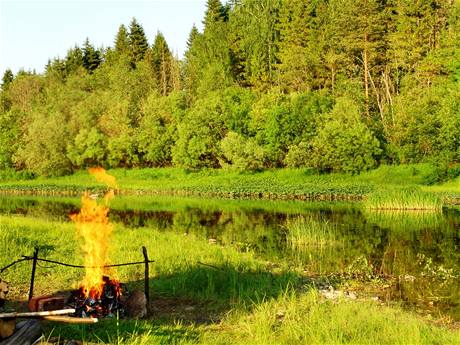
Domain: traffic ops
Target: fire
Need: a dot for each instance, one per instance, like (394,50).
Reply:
(94,227)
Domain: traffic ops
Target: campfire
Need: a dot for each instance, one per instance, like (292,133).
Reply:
(97,304)
(98,295)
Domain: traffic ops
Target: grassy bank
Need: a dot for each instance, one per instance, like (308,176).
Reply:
(303,184)
(205,293)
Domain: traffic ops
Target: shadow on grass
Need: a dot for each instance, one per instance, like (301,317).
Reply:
(180,303)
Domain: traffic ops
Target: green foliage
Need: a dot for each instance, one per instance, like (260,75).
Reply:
(43,147)
(157,130)
(122,41)
(426,122)
(270,72)
(91,57)
(199,134)
(7,78)
(9,137)
(240,153)
(138,43)
(344,143)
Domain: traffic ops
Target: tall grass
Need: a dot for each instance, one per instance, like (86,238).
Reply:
(403,199)
(405,221)
(306,233)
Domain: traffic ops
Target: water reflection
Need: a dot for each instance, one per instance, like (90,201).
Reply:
(417,254)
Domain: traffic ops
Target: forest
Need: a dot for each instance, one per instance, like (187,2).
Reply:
(332,85)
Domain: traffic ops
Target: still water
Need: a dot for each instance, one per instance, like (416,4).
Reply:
(411,258)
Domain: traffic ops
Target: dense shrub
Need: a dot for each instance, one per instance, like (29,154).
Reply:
(241,153)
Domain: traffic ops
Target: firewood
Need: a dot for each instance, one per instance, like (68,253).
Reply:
(36,314)
(3,292)
(7,327)
(68,319)
(26,333)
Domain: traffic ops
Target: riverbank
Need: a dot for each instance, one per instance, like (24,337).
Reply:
(300,184)
(205,292)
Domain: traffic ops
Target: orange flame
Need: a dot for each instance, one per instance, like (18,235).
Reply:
(93,226)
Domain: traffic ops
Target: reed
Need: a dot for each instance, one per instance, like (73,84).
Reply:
(408,198)
(306,233)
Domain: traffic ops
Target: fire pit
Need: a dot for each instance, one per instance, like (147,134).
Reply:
(105,301)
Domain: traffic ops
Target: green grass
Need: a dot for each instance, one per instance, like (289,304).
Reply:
(403,199)
(301,184)
(307,319)
(257,302)
(306,233)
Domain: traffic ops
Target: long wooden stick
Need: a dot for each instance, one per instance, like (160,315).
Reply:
(33,314)
(69,319)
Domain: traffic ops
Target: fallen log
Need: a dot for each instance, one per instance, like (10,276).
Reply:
(36,314)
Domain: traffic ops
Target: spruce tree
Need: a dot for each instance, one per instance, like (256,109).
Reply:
(122,41)
(7,79)
(256,44)
(74,59)
(215,12)
(192,63)
(91,57)
(137,41)
(161,62)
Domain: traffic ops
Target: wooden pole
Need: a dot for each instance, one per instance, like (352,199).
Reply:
(146,278)
(32,278)
(36,313)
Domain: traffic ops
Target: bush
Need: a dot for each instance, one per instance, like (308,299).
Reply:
(241,153)
(298,155)
(344,143)
(199,134)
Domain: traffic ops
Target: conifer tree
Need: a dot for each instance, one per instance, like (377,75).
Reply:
(74,59)
(362,31)
(257,41)
(137,41)
(7,78)
(91,57)
(122,41)
(162,61)
(299,51)
(192,64)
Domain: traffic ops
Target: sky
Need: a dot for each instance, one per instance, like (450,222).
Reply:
(33,31)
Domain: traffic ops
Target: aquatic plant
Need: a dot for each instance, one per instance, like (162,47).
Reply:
(409,198)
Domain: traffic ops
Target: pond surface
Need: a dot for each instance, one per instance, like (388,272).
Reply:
(412,257)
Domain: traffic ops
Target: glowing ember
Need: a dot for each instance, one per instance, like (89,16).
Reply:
(93,226)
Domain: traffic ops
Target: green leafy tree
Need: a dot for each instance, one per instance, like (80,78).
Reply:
(43,145)
(199,134)
(344,143)
(241,153)
(158,128)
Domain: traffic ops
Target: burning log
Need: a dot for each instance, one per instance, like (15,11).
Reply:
(97,304)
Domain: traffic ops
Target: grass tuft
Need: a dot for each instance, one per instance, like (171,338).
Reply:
(403,199)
